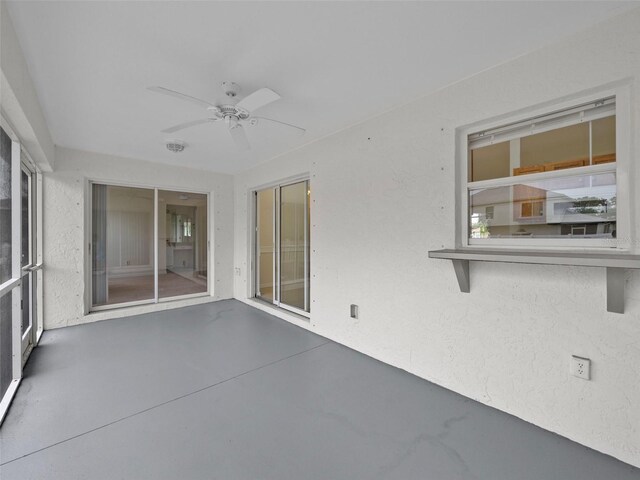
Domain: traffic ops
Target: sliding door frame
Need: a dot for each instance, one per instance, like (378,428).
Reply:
(89,307)
(277,224)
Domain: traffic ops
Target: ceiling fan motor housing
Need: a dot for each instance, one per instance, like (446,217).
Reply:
(224,111)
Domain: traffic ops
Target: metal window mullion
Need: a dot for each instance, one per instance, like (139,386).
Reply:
(155,245)
(306,246)
(37,249)
(255,260)
(211,222)
(590,143)
(277,197)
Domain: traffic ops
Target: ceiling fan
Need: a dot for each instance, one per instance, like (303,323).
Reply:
(234,116)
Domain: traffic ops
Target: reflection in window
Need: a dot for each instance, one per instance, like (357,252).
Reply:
(582,206)
(182,243)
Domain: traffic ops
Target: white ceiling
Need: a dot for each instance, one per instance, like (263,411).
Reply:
(333,63)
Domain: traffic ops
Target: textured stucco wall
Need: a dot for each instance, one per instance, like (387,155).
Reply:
(65,248)
(383,195)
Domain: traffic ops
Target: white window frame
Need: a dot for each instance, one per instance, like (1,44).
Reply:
(89,307)
(622,167)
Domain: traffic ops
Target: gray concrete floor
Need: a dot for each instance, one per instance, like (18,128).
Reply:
(224,391)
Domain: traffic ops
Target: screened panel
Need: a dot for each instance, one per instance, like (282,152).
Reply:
(5,207)
(6,346)
(25,218)
(25,305)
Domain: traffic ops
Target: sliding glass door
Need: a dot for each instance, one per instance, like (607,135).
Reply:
(282,246)
(148,245)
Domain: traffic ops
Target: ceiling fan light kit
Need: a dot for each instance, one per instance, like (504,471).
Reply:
(234,116)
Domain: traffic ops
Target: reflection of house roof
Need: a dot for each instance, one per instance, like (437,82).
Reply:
(583,218)
(490,196)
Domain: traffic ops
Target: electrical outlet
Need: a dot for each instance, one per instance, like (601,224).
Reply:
(353,311)
(237,271)
(581,367)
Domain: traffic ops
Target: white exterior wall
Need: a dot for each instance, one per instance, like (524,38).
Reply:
(66,196)
(384,194)
(19,99)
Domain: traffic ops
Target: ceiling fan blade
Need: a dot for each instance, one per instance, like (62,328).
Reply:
(239,137)
(258,99)
(182,96)
(302,130)
(184,125)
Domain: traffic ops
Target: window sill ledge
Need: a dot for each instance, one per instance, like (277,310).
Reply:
(616,265)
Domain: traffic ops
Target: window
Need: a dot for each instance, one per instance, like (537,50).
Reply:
(282,246)
(552,179)
(148,245)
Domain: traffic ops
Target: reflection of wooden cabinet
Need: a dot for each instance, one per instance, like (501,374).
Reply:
(600,159)
(528,170)
(553,166)
(550,167)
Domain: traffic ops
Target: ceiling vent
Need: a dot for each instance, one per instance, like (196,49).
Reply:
(175,146)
